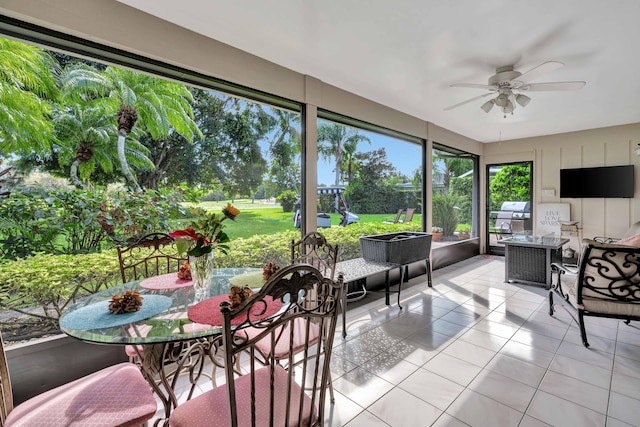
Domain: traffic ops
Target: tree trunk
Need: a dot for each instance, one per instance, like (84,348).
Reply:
(122,135)
(74,175)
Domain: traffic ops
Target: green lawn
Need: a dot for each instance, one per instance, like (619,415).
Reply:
(262,218)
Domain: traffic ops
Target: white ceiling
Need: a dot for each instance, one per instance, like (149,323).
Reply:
(406,53)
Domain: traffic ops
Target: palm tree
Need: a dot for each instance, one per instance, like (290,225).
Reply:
(350,160)
(332,138)
(27,84)
(85,133)
(284,147)
(162,106)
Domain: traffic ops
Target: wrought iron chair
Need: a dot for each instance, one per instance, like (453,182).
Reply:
(269,394)
(117,395)
(314,249)
(152,255)
(605,284)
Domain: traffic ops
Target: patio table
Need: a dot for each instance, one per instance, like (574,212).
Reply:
(172,343)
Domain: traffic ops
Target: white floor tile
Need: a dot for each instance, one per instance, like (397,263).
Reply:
(452,368)
(624,408)
(483,351)
(503,389)
(400,408)
(576,391)
(517,370)
(479,411)
(559,412)
(432,388)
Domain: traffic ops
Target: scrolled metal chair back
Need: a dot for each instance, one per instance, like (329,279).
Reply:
(152,255)
(313,249)
(296,323)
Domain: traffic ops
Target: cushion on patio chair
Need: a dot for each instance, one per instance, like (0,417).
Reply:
(606,283)
(282,347)
(211,408)
(115,396)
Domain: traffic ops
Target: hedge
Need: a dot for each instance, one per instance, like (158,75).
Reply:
(51,282)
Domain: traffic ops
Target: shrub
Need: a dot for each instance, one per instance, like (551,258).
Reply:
(287,199)
(51,282)
(445,213)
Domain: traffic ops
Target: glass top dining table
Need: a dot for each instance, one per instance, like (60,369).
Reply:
(163,316)
(164,333)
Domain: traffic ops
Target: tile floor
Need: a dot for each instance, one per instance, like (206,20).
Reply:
(475,351)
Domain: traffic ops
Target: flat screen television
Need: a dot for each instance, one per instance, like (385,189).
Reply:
(607,181)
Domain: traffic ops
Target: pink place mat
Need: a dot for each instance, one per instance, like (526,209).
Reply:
(165,281)
(208,311)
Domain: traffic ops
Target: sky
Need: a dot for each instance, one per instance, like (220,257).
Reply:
(405,156)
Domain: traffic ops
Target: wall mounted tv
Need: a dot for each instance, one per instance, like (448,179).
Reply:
(607,181)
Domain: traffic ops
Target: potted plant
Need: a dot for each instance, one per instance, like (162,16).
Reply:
(436,233)
(445,214)
(464,232)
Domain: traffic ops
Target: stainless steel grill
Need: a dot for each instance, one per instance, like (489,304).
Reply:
(520,215)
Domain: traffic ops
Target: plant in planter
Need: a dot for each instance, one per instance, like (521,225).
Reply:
(445,214)
(436,233)
(464,232)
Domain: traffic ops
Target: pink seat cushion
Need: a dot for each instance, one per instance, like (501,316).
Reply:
(130,350)
(211,408)
(115,396)
(630,241)
(282,345)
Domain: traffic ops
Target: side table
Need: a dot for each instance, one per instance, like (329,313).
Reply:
(528,259)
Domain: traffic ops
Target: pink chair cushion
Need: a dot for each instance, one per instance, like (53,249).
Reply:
(130,350)
(282,345)
(115,396)
(211,408)
(630,241)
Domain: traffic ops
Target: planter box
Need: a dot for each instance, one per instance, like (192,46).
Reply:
(399,248)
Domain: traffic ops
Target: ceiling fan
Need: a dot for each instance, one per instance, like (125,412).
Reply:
(508,84)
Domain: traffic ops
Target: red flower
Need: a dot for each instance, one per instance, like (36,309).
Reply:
(188,233)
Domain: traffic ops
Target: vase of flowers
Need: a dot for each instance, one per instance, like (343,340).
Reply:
(198,240)
(201,274)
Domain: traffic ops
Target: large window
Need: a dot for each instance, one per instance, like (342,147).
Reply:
(103,155)
(455,190)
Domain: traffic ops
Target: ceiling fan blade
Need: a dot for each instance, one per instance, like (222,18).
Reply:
(541,87)
(474,86)
(536,72)
(468,101)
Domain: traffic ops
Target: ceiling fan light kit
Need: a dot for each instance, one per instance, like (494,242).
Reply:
(506,81)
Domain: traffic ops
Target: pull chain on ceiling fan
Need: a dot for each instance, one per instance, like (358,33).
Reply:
(506,81)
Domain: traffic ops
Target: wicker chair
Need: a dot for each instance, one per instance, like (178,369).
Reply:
(605,284)
(117,395)
(269,394)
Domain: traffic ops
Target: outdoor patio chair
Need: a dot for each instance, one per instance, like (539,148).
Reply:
(605,284)
(409,215)
(152,255)
(631,231)
(268,394)
(314,249)
(115,396)
(396,219)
